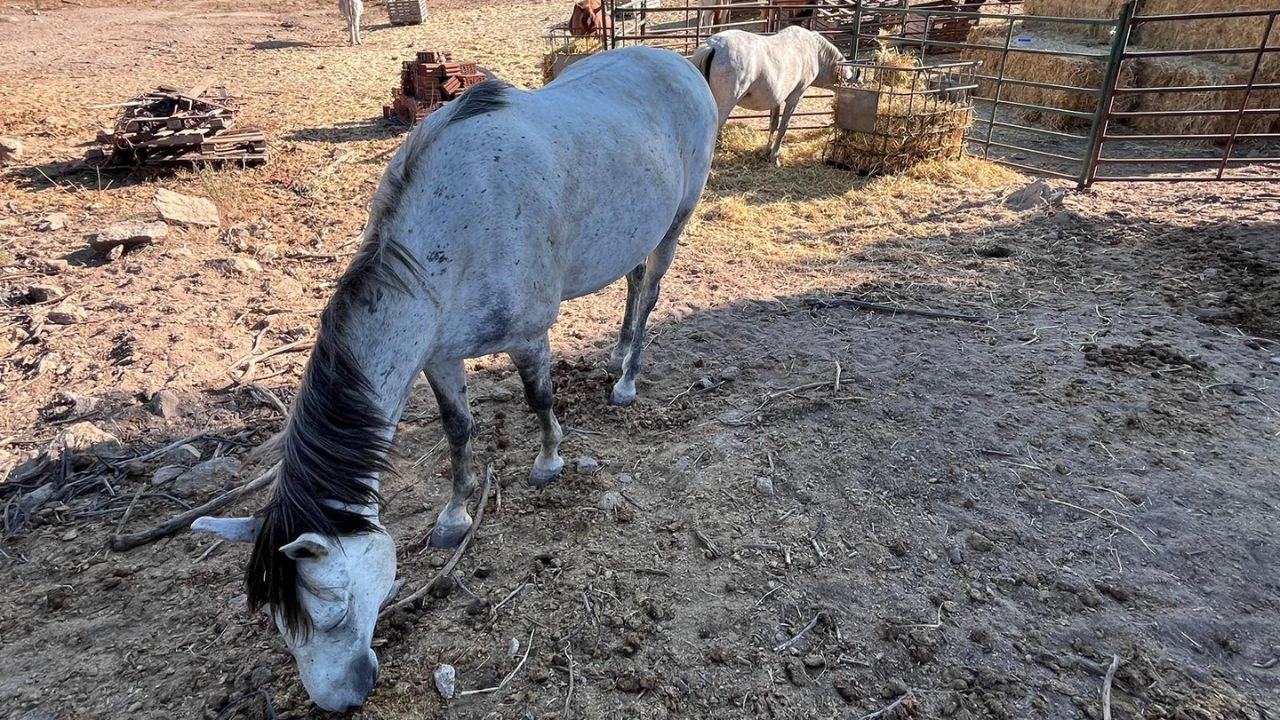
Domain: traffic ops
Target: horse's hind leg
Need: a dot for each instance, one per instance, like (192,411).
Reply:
(449,383)
(624,391)
(533,360)
(635,279)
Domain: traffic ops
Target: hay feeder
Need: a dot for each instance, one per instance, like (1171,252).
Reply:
(896,114)
(564,49)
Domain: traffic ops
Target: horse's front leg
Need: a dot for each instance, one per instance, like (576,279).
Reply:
(449,383)
(635,279)
(789,108)
(533,360)
(624,391)
(773,125)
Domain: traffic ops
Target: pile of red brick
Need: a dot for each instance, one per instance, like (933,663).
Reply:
(427,83)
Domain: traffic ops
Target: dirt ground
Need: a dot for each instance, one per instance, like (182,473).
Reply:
(977,514)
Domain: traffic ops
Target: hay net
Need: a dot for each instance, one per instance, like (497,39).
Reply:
(896,113)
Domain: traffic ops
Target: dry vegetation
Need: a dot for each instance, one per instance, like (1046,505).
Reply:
(972,517)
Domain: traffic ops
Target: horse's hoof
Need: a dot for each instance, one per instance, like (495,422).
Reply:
(448,536)
(622,396)
(543,474)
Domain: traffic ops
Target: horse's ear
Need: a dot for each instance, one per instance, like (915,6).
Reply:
(308,545)
(269,451)
(241,529)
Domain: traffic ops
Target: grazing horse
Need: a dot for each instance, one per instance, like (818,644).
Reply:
(769,72)
(351,11)
(495,209)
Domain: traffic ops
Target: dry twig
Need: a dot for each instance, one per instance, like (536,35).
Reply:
(812,623)
(1106,687)
(528,646)
(457,554)
(886,709)
(121,543)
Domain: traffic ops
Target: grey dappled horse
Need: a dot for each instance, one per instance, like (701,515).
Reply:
(769,72)
(495,210)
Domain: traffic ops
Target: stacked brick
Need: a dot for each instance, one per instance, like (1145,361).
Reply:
(427,83)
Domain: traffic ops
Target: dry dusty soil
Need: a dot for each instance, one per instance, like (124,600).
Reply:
(824,509)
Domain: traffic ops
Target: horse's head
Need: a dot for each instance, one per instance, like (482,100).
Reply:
(324,594)
(832,68)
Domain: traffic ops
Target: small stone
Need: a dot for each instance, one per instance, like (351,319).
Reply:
(704,383)
(185,455)
(208,475)
(186,209)
(52,222)
(446,681)
(167,473)
(764,486)
(729,373)
(239,265)
(955,555)
(847,690)
(261,676)
(55,266)
(68,315)
(626,479)
(1031,196)
(83,438)
(588,465)
(796,672)
(44,293)
(979,542)
(11,149)
(128,235)
(610,501)
(166,404)
(814,662)
(70,535)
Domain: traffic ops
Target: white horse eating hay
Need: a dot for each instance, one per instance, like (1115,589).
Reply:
(495,210)
(769,72)
(351,11)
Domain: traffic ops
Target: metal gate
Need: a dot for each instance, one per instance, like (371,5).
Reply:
(1103,113)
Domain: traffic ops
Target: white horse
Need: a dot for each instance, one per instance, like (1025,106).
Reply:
(351,11)
(495,210)
(771,73)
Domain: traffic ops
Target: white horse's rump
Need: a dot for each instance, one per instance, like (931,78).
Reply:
(770,73)
(352,10)
(494,210)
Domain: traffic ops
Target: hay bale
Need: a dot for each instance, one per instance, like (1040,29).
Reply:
(1189,71)
(910,126)
(566,53)
(1075,9)
(1085,72)
(1204,34)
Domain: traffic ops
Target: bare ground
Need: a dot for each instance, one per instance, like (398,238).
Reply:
(980,514)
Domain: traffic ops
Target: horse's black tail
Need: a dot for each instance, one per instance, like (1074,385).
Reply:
(702,59)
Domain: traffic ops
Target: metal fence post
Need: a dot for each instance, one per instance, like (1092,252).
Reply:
(1244,101)
(1102,116)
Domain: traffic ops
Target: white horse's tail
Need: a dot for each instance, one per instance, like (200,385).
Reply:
(702,60)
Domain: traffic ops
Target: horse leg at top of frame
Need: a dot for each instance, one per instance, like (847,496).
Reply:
(789,108)
(533,361)
(624,391)
(635,279)
(449,383)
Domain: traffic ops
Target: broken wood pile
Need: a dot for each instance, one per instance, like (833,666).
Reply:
(168,125)
(427,83)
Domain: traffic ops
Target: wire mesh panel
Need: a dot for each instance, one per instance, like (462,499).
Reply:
(896,114)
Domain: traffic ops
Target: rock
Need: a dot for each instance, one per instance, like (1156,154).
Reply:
(446,681)
(626,479)
(11,149)
(979,542)
(208,475)
(55,267)
(186,209)
(955,555)
(729,373)
(588,465)
(52,222)
(167,473)
(44,293)
(796,672)
(82,439)
(1034,195)
(764,486)
(239,265)
(185,455)
(68,315)
(32,501)
(610,501)
(261,676)
(166,404)
(128,235)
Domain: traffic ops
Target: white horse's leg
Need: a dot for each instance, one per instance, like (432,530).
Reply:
(449,383)
(533,360)
(773,125)
(789,108)
(635,279)
(624,391)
